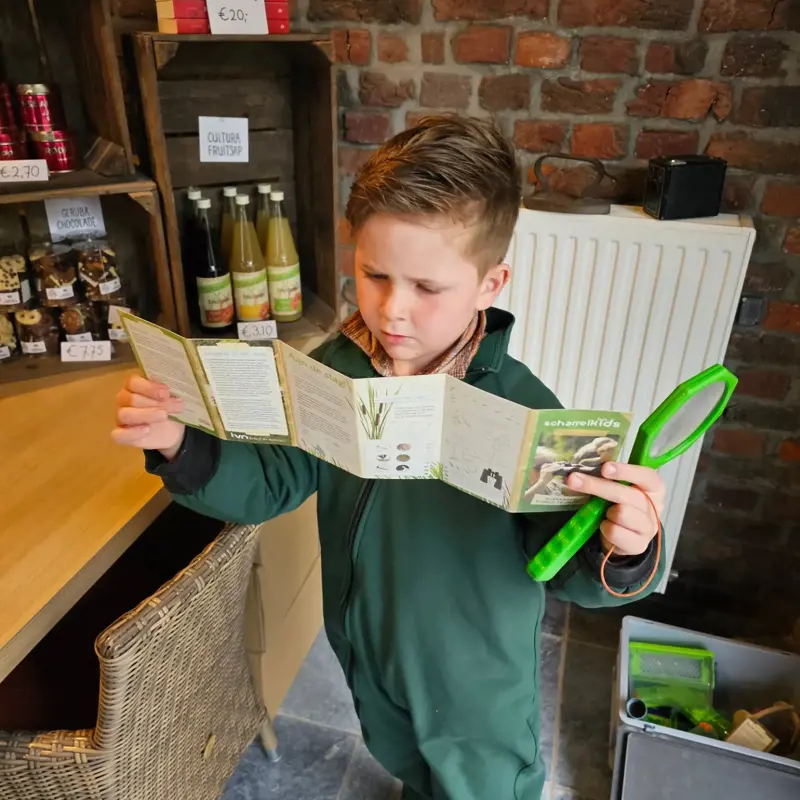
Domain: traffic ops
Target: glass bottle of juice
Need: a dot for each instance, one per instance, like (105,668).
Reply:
(226,227)
(283,264)
(189,239)
(262,214)
(214,292)
(247,267)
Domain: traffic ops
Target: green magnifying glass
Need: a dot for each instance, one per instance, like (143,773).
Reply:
(667,433)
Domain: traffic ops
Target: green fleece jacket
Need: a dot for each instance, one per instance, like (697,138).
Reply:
(426,600)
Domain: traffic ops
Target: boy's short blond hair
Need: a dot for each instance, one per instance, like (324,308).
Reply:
(460,168)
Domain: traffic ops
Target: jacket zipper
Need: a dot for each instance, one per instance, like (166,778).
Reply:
(358,514)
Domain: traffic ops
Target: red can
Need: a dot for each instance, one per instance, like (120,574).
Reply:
(12,145)
(7,117)
(58,149)
(40,107)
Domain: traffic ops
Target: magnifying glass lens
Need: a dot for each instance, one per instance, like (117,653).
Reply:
(687,419)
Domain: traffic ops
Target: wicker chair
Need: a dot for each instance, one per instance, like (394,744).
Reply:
(177,704)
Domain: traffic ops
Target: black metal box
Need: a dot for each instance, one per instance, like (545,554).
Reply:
(684,187)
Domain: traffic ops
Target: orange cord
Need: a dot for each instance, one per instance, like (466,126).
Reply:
(613,549)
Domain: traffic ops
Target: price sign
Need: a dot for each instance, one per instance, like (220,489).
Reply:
(258,331)
(72,352)
(29,169)
(71,217)
(238,16)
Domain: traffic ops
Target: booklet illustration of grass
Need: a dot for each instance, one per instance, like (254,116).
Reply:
(425,426)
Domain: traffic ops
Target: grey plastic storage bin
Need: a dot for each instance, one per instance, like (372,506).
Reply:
(746,677)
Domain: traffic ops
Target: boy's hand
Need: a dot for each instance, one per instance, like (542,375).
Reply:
(143,407)
(629,525)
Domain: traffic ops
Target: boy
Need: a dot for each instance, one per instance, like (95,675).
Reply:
(426,600)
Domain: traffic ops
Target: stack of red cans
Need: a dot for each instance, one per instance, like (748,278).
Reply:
(39,128)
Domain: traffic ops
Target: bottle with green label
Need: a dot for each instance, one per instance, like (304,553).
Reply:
(283,264)
(247,267)
(262,214)
(214,292)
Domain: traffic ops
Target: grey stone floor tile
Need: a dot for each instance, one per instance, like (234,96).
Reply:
(319,692)
(585,717)
(555,615)
(550,659)
(563,793)
(314,761)
(598,626)
(366,779)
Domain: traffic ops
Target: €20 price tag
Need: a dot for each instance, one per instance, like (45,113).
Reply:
(258,331)
(73,352)
(29,169)
(238,16)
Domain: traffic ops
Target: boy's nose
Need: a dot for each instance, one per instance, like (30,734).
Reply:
(394,304)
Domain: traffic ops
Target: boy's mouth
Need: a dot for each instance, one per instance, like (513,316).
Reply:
(394,338)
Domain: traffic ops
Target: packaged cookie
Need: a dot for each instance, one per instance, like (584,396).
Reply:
(8,339)
(79,323)
(116,331)
(15,288)
(37,332)
(56,275)
(97,270)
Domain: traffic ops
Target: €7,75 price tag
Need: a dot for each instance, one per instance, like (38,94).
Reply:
(85,351)
(29,169)
(238,16)
(258,331)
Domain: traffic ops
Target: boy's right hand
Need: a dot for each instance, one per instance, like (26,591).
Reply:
(143,407)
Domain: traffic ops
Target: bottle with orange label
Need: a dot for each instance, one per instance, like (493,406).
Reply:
(283,264)
(247,267)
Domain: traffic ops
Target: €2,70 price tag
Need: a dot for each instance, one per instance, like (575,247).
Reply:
(238,16)
(73,352)
(258,331)
(29,169)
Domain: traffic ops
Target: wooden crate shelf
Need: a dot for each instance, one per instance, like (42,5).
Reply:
(81,183)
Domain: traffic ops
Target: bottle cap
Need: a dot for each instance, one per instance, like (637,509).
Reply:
(204,203)
(242,200)
(229,191)
(194,194)
(276,196)
(264,188)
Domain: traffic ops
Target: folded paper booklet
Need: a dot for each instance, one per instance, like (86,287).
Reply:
(425,426)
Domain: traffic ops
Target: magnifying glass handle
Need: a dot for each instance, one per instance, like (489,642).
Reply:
(565,544)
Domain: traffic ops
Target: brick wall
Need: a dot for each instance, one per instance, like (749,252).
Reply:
(626,80)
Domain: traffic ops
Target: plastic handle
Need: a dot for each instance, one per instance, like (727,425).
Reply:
(565,544)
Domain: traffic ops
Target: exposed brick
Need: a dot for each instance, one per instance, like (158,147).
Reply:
(489,9)
(770,232)
(781,199)
(609,54)
(791,244)
(413,118)
(432,46)
(376,89)
(445,90)
(769,348)
(502,92)
(766,278)
(732,498)
(682,58)
(689,99)
(790,450)
(579,97)
(737,193)
(599,140)
(764,384)
(769,106)
(366,127)
(782,508)
(482,44)
(387,12)
(539,137)
(740,442)
(343,232)
(782,316)
(759,155)
(749,57)
(351,45)
(651,144)
(743,15)
(541,50)
(351,159)
(392,49)
(764,417)
(659,14)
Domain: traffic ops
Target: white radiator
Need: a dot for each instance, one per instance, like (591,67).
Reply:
(614,311)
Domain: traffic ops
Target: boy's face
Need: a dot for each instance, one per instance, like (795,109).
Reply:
(417,292)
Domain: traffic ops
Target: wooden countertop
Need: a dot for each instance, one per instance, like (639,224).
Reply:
(71,503)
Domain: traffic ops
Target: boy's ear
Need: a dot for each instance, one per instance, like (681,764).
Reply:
(493,282)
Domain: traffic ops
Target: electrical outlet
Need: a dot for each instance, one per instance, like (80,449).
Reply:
(751,311)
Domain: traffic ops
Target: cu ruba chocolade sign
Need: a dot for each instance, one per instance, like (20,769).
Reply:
(75,218)
(224,139)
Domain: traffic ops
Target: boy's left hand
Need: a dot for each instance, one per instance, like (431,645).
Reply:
(629,525)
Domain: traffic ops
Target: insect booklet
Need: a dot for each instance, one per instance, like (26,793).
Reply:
(424,426)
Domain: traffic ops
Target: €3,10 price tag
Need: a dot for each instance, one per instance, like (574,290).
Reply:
(238,16)
(258,331)
(73,352)
(29,169)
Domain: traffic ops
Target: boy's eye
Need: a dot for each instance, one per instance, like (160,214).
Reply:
(374,276)
(427,289)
